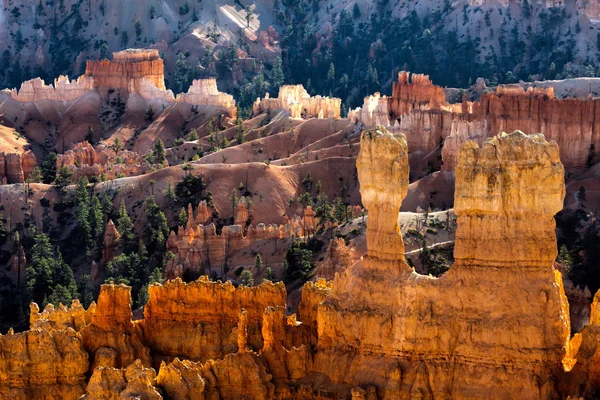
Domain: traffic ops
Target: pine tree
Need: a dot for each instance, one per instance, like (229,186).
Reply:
(182,217)
(127,241)
(90,135)
(269,274)
(83,215)
(193,135)
(49,168)
(246,278)
(258,264)
(96,219)
(48,277)
(157,230)
(150,114)
(158,152)
(277,76)
(239,131)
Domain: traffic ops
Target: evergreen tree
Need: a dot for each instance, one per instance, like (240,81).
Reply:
(157,230)
(258,264)
(138,28)
(277,76)
(127,240)
(90,135)
(97,223)
(340,211)
(269,274)
(158,152)
(49,168)
(324,210)
(182,217)
(239,131)
(150,114)
(83,216)
(193,135)
(64,178)
(48,277)
(246,278)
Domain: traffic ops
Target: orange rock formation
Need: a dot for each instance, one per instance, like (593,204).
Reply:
(495,326)
(481,321)
(127,70)
(419,109)
(199,320)
(85,160)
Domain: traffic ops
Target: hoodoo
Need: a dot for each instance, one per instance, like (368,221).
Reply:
(480,331)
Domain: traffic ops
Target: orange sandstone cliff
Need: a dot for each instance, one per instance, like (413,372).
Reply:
(496,325)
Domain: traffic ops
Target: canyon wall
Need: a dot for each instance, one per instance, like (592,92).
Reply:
(419,109)
(499,315)
(296,100)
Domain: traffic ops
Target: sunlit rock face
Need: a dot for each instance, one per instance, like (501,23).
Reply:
(489,328)
(296,100)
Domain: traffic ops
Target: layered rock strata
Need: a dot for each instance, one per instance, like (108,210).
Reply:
(296,100)
(420,110)
(40,364)
(452,336)
(127,70)
(199,320)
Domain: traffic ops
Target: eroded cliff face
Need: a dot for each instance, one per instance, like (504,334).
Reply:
(451,337)
(199,320)
(127,69)
(296,100)
(419,109)
(204,92)
(40,364)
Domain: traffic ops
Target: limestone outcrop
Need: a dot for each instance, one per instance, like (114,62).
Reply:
(296,100)
(63,90)
(60,318)
(481,322)
(419,109)
(337,259)
(111,241)
(199,320)
(204,92)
